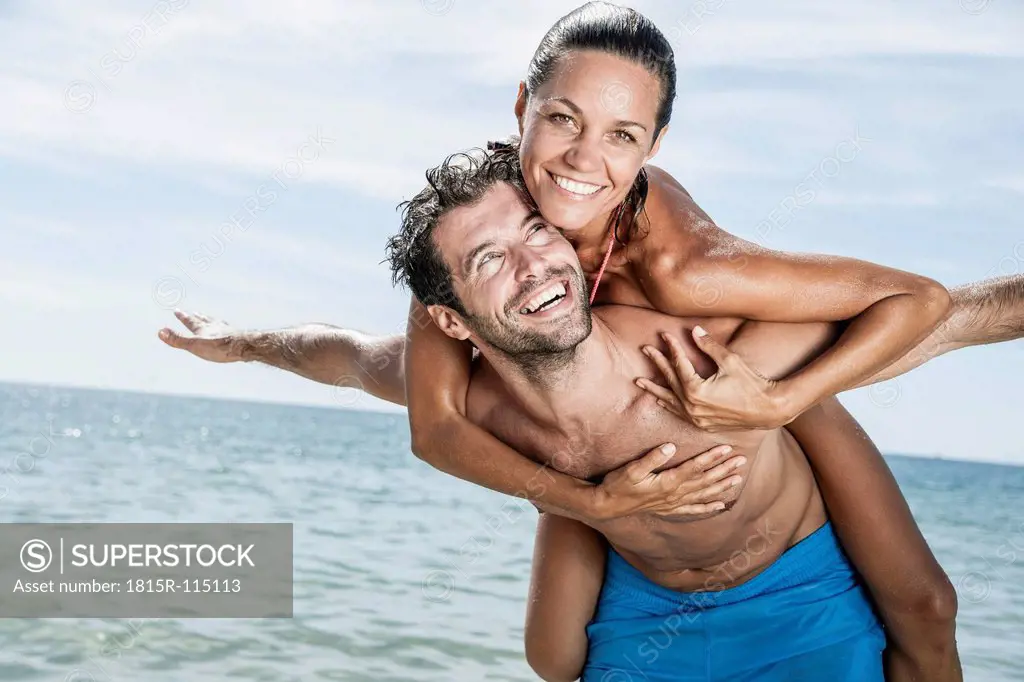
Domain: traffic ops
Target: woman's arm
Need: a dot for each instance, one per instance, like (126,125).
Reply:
(698,269)
(437,380)
(568,570)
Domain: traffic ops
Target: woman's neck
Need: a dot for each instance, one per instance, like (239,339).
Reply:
(591,242)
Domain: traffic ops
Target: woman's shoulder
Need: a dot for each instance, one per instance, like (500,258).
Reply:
(678,231)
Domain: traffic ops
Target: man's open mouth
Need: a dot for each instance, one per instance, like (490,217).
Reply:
(547,298)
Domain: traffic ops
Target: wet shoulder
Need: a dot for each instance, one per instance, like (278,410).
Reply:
(679,233)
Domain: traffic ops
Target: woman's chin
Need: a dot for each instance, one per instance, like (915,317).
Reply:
(567,218)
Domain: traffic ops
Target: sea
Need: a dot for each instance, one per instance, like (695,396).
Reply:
(401,573)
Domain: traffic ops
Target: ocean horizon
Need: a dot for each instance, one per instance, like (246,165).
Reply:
(383,587)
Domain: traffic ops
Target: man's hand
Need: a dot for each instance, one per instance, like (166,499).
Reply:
(213,340)
(700,487)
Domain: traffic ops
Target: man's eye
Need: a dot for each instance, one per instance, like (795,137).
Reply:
(561,118)
(488,258)
(539,227)
(625,137)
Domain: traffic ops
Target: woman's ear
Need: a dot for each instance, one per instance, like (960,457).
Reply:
(521,101)
(657,144)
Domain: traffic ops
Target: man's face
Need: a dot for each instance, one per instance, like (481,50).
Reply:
(517,277)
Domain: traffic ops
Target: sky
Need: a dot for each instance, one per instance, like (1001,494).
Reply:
(133,134)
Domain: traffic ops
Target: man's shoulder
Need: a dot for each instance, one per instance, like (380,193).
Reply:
(627,320)
(482,394)
(637,327)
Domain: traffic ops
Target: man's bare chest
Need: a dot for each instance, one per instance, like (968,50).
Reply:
(616,429)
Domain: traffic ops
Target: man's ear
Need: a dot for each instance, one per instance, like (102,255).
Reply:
(449,321)
(521,101)
(657,144)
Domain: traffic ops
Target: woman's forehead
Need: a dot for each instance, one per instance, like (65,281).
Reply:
(596,81)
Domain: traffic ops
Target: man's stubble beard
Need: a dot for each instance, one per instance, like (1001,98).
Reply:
(540,356)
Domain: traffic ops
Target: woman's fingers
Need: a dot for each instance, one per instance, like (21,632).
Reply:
(698,509)
(714,492)
(640,469)
(666,369)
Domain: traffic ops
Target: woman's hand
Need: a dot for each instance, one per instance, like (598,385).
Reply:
(734,397)
(703,486)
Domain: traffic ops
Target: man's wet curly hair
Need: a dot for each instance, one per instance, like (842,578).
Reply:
(461,180)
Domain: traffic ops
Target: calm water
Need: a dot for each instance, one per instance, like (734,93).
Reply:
(401,573)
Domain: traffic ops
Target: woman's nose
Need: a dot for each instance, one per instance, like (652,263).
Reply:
(584,155)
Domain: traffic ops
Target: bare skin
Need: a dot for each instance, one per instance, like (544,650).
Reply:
(598,419)
(568,131)
(911,590)
(585,423)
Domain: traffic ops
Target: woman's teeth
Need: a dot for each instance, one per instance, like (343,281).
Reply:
(584,188)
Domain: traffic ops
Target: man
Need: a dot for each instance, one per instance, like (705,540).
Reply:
(553,380)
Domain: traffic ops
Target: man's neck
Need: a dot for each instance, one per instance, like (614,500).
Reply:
(550,388)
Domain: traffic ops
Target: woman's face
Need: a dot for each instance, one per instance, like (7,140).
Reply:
(586,133)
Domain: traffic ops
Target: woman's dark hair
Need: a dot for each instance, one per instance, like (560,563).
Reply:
(625,33)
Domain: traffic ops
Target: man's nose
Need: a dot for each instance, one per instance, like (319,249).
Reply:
(529,264)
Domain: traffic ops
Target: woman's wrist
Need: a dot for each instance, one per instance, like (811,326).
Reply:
(790,398)
(574,499)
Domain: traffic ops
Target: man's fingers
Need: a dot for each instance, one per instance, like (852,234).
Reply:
(175,340)
(191,321)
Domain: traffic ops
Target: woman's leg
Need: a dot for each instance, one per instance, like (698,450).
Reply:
(568,570)
(914,596)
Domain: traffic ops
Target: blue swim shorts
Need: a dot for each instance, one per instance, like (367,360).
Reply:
(804,618)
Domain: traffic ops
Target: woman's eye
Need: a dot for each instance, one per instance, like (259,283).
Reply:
(624,136)
(561,118)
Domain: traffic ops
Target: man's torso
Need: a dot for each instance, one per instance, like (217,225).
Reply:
(779,503)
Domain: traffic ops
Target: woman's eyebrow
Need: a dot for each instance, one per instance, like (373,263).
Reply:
(579,112)
(567,102)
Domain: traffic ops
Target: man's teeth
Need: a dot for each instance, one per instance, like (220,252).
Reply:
(584,188)
(544,299)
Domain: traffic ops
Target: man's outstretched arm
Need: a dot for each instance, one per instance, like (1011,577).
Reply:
(981,313)
(321,352)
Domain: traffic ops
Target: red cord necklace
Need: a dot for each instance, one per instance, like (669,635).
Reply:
(607,254)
